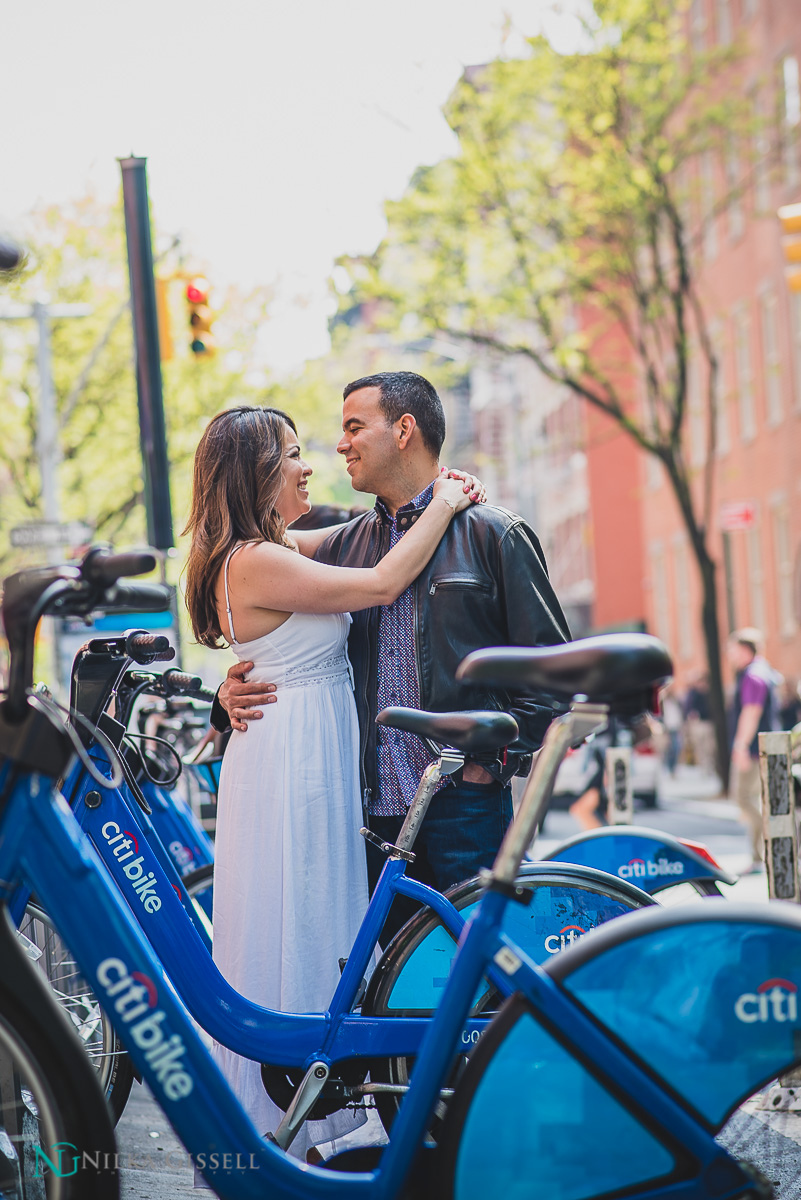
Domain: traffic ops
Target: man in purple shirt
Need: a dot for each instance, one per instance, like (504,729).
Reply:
(753,711)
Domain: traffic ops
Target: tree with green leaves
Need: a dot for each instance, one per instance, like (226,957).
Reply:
(77,255)
(566,230)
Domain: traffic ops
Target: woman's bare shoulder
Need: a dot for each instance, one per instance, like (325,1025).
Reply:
(254,554)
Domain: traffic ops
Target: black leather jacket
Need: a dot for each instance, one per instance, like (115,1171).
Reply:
(485,585)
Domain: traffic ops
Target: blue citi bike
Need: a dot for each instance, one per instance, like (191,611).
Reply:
(172,824)
(575,1090)
(562,903)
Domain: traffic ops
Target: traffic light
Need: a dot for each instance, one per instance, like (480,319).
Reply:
(200,317)
(790,217)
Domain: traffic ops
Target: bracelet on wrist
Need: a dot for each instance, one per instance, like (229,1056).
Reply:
(449,503)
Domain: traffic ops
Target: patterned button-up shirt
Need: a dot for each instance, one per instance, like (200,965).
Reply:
(402,757)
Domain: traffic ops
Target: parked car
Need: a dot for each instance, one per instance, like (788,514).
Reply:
(578,768)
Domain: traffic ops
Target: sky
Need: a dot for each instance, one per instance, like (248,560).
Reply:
(273,129)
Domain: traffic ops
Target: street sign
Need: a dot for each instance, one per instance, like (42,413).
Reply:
(51,533)
(740,515)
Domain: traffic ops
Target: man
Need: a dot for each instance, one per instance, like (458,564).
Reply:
(753,712)
(700,730)
(486,585)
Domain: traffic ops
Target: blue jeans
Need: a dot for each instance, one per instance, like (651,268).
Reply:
(461,833)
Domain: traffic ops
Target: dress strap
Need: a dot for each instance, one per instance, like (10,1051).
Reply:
(231,553)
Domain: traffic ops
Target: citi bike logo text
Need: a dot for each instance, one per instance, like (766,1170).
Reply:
(565,937)
(637,868)
(774,1000)
(126,851)
(135,1005)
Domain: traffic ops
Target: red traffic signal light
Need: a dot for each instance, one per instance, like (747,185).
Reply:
(200,316)
(197,291)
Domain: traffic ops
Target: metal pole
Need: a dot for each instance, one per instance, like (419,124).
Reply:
(47,425)
(152,428)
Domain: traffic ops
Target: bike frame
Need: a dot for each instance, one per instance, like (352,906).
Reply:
(42,844)
(179,830)
(284,1039)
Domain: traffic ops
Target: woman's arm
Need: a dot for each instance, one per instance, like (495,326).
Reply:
(269,576)
(309,539)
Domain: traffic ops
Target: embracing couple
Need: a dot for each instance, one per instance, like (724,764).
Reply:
(385,606)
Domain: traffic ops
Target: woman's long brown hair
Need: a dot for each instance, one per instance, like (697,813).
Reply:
(236,481)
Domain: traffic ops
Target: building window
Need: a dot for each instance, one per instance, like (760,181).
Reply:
(696,410)
(660,593)
(761,152)
(784,569)
(728,575)
(724,22)
(733,180)
(681,593)
(756,579)
(745,381)
(795,317)
(722,440)
(708,218)
(770,358)
(791,120)
(698,25)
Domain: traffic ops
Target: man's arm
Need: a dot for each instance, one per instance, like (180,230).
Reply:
(237,697)
(744,734)
(533,617)
(753,697)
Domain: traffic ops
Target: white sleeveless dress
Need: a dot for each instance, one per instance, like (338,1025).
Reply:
(290,875)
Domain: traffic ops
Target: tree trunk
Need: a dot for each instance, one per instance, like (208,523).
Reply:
(711,630)
(707,569)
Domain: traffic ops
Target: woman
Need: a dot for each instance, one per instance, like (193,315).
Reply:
(290,885)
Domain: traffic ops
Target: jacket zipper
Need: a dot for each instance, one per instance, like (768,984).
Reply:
(474,583)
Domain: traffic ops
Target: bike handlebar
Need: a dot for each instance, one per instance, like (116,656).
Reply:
(67,591)
(135,597)
(146,648)
(175,682)
(103,567)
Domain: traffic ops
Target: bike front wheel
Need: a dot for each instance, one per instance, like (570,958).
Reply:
(56,1136)
(78,1002)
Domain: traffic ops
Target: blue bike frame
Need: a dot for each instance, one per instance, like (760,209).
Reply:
(123,836)
(42,843)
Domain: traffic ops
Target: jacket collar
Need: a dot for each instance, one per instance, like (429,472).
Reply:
(407,514)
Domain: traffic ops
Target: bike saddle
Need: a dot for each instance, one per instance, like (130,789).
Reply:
(472,732)
(618,669)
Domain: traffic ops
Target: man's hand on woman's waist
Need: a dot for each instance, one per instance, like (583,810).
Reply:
(241,698)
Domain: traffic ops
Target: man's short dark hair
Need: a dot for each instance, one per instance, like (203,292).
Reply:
(404,392)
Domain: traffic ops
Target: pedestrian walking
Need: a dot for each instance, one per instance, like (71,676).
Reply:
(673,723)
(699,732)
(754,710)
